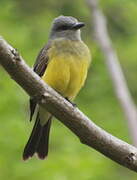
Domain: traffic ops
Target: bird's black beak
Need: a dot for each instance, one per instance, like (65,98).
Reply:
(78,25)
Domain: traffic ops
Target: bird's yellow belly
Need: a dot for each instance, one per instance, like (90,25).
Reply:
(66,75)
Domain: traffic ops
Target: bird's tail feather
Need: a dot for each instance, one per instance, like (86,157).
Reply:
(38,141)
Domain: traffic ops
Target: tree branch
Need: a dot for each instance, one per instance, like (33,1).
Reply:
(88,133)
(114,68)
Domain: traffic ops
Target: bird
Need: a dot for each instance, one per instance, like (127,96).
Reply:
(63,64)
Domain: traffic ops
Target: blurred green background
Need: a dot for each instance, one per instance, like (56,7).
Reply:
(26,25)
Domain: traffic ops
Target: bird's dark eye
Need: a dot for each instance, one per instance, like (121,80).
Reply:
(62,28)
(65,27)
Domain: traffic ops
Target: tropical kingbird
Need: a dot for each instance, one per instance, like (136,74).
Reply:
(63,64)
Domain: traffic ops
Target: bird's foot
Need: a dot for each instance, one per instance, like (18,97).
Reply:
(73,104)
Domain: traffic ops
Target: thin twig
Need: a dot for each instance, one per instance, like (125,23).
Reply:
(114,68)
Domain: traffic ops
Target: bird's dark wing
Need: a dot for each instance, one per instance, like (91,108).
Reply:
(42,60)
(39,67)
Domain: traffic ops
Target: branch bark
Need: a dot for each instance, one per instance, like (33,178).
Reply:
(114,68)
(88,133)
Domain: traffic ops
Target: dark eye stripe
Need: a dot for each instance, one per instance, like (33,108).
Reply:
(63,27)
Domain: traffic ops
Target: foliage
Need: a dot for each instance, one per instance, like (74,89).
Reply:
(26,26)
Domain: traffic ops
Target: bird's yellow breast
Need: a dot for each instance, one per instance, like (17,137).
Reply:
(67,68)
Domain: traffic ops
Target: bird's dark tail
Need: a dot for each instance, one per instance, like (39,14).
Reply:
(38,141)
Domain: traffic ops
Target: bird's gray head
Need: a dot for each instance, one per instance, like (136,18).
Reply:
(66,27)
